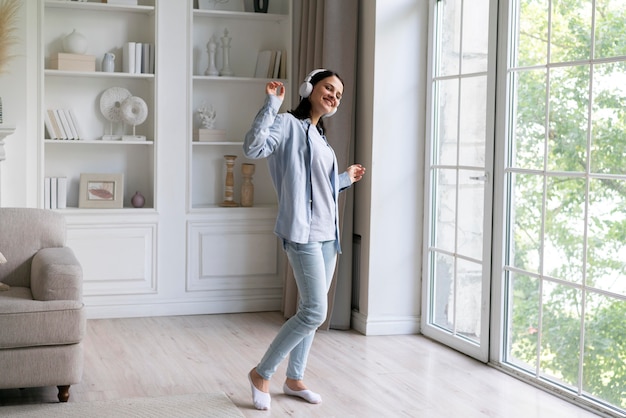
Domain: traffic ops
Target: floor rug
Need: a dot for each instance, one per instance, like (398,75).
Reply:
(181,406)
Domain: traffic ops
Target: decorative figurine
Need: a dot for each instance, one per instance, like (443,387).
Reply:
(211,48)
(207,116)
(226,70)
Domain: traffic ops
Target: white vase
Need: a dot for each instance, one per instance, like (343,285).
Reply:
(75,43)
(108,62)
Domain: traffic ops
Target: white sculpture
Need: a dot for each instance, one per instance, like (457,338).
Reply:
(134,112)
(207,116)
(226,70)
(111,108)
(207,131)
(211,48)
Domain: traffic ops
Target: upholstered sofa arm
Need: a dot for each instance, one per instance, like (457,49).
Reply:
(56,274)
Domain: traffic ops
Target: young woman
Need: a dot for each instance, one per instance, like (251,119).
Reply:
(304,170)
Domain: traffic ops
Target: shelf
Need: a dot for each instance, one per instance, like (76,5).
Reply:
(224,14)
(98,74)
(94,142)
(237,210)
(122,211)
(103,7)
(231,143)
(209,78)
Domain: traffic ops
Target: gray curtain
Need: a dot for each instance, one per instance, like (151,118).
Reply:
(325,36)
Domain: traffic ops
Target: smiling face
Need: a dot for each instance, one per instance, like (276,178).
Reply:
(325,96)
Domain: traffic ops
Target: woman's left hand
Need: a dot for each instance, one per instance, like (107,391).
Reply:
(356,172)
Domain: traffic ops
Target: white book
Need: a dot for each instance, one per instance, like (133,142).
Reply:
(46,193)
(270,67)
(138,61)
(70,122)
(53,192)
(79,133)
(53,121)
(282,72)
(65,123)
(49,127)
(61,192)
(62,133)
(145,58)
(263,63)
(277,64)
(128,60)
(152,57)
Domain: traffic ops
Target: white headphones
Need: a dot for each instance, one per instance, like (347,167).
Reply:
(306,88)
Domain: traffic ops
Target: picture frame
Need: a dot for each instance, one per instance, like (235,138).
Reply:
(101,190)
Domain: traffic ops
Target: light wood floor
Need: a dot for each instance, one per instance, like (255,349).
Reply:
(358,376)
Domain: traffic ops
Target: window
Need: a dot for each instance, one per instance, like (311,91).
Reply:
(564,221)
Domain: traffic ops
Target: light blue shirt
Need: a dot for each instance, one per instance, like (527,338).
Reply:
(283,140)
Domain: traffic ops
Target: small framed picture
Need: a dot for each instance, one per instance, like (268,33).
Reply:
(101,190)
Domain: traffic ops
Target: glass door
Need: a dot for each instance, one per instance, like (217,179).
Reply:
(459,176)
(563,267)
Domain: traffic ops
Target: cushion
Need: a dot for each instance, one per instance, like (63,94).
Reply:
(26,322)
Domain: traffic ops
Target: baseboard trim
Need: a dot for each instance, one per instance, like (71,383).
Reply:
(385,325)
(176,308)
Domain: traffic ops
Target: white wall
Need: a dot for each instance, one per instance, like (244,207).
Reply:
(390,131)
(390,143)
(18,173)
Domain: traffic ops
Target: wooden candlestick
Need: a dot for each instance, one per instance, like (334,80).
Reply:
(229,183)
(247,188)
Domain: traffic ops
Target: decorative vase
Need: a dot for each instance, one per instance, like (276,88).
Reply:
(247,188)
(260,6)
(229,183)
(137,200)
(108,62)
(75,43)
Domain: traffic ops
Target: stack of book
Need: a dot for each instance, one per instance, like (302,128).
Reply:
(62,124)
(55,192)
(138,58)
(271,63)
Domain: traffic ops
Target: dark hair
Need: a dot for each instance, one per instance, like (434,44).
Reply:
(303,110)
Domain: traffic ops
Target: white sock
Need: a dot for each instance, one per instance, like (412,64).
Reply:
(260,399)
(305,394)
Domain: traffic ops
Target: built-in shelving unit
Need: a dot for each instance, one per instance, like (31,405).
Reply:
(106,28)
(232,251)
(236,98)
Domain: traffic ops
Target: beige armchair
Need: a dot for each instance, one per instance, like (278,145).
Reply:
(42,320)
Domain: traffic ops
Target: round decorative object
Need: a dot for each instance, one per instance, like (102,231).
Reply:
(137,200)
(111,103)
(75,43)
(134,110)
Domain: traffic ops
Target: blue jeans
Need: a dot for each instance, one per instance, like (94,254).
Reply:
(313,266)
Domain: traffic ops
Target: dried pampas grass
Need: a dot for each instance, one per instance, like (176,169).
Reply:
(8,18)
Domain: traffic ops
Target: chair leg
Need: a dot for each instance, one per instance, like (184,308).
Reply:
(64,393)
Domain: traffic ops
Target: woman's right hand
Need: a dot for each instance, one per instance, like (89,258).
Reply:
(276,88)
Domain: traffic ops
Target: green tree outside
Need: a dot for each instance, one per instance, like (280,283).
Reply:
(570,119)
